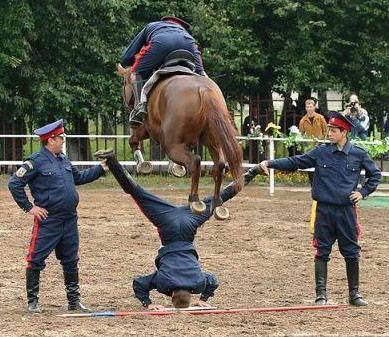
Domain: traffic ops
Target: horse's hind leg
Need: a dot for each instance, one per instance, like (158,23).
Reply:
(221,212)
(180,155)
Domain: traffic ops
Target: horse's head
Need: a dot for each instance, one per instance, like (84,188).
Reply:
(128,77)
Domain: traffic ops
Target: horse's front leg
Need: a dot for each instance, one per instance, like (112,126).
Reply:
(221,212)
(137,135)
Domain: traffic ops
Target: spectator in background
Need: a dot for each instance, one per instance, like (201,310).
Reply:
(359,117)
(250,122)
(386,124)
(312,124)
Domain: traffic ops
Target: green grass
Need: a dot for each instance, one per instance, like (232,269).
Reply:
(382,202)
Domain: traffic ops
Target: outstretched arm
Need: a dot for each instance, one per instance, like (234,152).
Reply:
(234,188)
(128,54)
(211,285)
(303,161)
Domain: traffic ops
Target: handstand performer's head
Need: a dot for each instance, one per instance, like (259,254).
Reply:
(181,298)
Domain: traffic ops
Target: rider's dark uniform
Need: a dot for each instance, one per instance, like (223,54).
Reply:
(149,48)
(147,51)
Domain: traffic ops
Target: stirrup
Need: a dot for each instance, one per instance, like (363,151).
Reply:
(138,115)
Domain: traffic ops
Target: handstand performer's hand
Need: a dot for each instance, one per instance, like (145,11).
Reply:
(155,307)
(200,303)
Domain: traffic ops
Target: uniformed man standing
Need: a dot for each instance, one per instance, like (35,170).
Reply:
(52,179)
(337,169)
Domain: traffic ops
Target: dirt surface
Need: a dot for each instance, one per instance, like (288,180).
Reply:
(261,255)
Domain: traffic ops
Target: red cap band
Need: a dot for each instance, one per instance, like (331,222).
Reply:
(339,123)
(53,133)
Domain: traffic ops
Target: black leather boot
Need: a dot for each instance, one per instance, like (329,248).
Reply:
(251,174)
(32,287)
(138,115)
(321,282)
(73,292)
(352,268)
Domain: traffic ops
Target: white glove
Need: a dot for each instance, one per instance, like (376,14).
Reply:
(103,163)
(265,166)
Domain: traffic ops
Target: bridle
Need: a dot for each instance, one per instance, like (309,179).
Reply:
(126,102)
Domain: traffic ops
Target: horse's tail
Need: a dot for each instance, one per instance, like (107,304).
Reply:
(221,130)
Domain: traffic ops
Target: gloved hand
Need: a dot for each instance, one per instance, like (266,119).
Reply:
(265,166)
(103,163)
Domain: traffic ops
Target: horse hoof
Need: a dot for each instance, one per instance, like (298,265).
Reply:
(145,168)
(178,170)
(221,213)
(197,207)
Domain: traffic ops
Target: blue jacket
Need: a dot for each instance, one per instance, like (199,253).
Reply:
(51,181)
(336,172)
(159,33)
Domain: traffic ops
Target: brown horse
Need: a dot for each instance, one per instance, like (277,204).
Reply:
(182,111)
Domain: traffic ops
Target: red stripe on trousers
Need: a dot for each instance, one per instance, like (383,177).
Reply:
(139,56)
(33,242)
(356,211)
(315,244)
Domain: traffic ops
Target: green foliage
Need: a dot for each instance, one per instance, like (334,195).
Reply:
(58,57)
(375,148)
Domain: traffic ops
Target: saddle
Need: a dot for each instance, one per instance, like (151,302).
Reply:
(180,57)
(177,62)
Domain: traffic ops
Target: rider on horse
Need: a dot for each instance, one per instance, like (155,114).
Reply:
(147,51)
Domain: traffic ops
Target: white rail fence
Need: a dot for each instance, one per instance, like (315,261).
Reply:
(270,140)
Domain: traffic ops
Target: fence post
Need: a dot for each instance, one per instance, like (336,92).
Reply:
(271,157)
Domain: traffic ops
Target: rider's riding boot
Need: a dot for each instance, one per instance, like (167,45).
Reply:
(352,268)
(138,115)
(124,179)
(321,282)
(32,288)
(73,292)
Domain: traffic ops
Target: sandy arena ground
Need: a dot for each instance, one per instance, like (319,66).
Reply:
(261,255)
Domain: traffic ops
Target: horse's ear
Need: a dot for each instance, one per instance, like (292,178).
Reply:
(121,71)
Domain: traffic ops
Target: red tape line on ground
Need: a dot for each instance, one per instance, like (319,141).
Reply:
(205,312)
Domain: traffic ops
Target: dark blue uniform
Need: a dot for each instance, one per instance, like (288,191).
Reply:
(52,181)
(177,261)
(154,43)
(336,176)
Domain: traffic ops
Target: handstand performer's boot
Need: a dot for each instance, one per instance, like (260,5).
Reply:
(321,282)
(352,268)
(252,173)
(124,179)
(73,292)
(32,288)
(138,115)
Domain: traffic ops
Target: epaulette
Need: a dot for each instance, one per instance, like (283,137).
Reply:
(360,147)
(33,156)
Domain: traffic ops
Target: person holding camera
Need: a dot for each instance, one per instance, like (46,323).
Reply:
(359,117)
